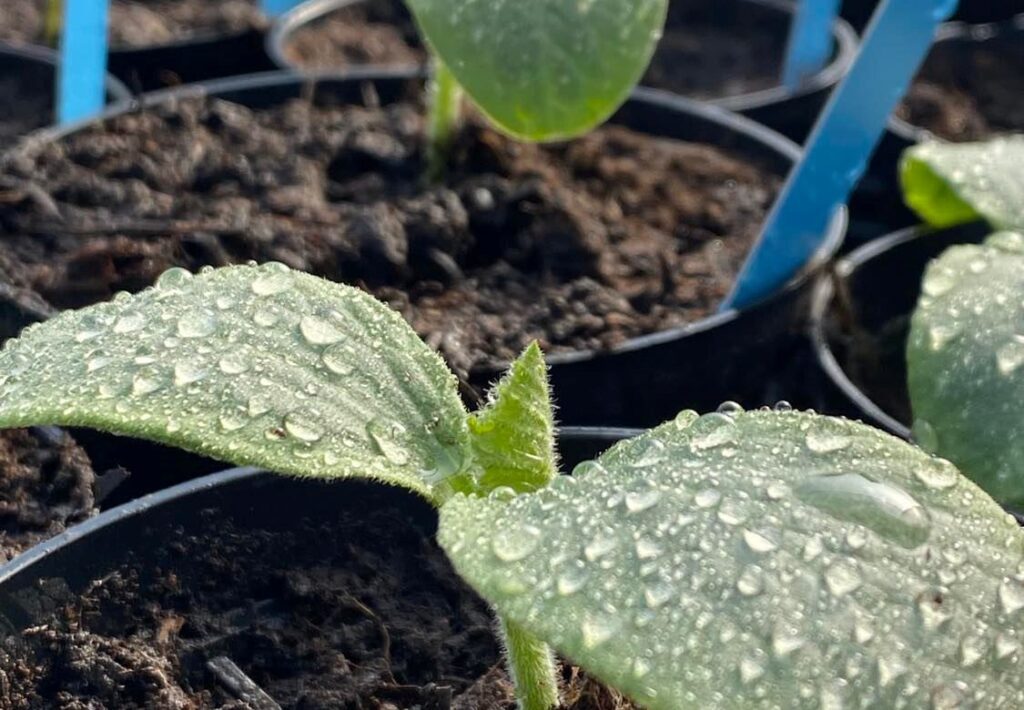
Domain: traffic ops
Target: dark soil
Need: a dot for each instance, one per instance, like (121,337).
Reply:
(46,484)
(578,245)
(709,50)
(26,102)
(360,612)
(141,23)
(969,91)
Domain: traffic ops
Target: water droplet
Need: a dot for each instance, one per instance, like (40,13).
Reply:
(303,427)
(783,406)
(939,336)
(750,670)
(639,501)
(1010,357)
(842,578)
(517,544)
(720,430)
(938,474)
(385,437)
(751,581)
(1005,646)
(658,595)
(949,696)
(685,419)
(267,316)
(318,331)
(198,324)
(759,542)
(1011,596)
(187,373)
(785,642)
(931,608)
(98,363)
(641,667)
(731,513)
(90,328)
(234,364)
(707,498)
(1007,241)
(129,323)
(258,405)
(599,547)
(339,359)
(862,631)
(173,278)
(587,468)
(572,580)
(882,507)
(233,421)
(776,490)
(889,669)
(821,441)
(938,281)
(143,384)
(596,630)
(503,494)
(647,549)
(730,409)
(273,281)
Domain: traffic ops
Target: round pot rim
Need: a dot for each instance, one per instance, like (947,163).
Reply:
(821,299)
(774,141)
(145,503)
(950,31)
(116,88)
(844,38)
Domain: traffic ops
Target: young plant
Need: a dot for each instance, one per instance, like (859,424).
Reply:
(737,559)
(540,70)
(965,355)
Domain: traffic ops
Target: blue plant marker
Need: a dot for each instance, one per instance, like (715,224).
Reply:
(810,40)
(838,149)
(82,74)
(273,8)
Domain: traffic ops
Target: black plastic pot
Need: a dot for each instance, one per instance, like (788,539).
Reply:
(792,112)
(728,356)
(248,497)
(860,319)
(37,66)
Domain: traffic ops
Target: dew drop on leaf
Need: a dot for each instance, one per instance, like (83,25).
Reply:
(234,364)
(516,545)
(639,501)
(174,278)
(1011,596)
(303,427)
(319,331)
(842,578)
(339,359)
(385,438)
(707,498)
(199,324)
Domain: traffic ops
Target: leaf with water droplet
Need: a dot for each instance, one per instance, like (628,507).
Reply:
(513,436)
(288,394)
(544,69)
(857,586)
(969,393)
(954,183)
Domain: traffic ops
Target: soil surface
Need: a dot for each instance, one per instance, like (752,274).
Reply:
(26,103)
(709,50)
(361,612)
(969,91)
(46,484)
(578,245)
(141,23)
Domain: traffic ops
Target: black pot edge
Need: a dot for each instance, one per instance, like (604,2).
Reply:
(821,299)
(775,141)
(844,38)
(116,89)
(138,506)
(908,132)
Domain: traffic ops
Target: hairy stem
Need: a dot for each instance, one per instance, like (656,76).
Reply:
(444,119)
(531,664)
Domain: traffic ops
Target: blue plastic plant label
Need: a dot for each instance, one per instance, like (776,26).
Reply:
(81,77)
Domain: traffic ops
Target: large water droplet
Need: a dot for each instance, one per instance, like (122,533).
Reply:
(234,364)
(599,547)
(751,581)
(319,331)
(1010,356)
(143,384)
(187,373)
(822,441)
(572,580)
(882,507)
(707,498)
(1011,596)
(198,324)
(750,670)
(639,501)
(339,359)
(516,545)
(129,323)
(386,437)
(658,594)
(272,282)
(938,281)
(303,427)
(759,542)
(173,278)
(719,430)
(842,578)
(233,420)
(596,630)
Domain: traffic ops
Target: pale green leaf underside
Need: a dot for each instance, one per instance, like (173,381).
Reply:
(513,437)
(761,560)
(948,184)
(252,365)
(965,360)
(544,69)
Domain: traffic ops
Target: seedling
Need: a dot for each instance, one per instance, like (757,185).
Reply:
(539,70)
(965,355)
(737,559)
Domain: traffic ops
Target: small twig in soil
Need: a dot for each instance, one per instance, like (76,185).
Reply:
(385,637)
(236,682)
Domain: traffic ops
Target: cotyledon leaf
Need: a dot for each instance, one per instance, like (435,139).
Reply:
(544,69)
(255,365)
(965,361)
(762,559)
(513,437)
(952,183)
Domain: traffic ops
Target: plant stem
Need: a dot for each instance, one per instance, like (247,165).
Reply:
(531,664)
(444,119)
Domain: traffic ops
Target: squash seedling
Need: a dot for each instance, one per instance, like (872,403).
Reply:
(965,354)
(737,559)
(539,70)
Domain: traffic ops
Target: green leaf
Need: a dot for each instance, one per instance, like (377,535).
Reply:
(544,69)
(965,359)
(253,365)
(513,437)
(948,184)
(761,559)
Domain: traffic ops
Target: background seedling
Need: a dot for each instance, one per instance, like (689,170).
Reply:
(735,558)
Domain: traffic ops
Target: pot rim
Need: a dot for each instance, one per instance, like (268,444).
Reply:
(821,300)
(951,32)
(773,141)
(844,39)
(144,504)
(116,89)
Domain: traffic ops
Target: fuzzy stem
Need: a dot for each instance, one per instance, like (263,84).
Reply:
(531,664)
(52,21)
(444,119)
